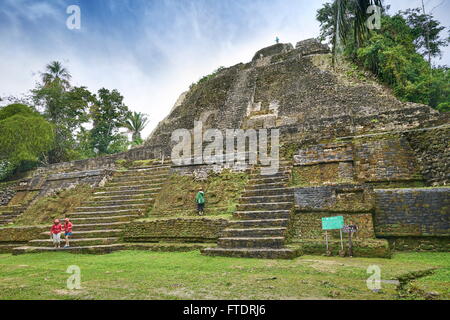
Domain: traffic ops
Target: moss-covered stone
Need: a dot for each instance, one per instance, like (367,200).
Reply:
(370,248)
(222,190)
(20,234)
(175,230)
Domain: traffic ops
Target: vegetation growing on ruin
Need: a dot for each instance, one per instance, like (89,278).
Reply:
(46,209)
(317,175)
(399,53)
(207,77)
(222,191)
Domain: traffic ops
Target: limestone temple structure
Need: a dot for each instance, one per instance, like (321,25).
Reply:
(348,148)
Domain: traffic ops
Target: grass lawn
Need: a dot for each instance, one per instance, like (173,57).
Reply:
(153,275)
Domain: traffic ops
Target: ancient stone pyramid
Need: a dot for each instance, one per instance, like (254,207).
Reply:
(294,89)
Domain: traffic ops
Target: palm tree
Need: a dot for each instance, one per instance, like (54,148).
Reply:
(135,123)
(55,71)
(351,17)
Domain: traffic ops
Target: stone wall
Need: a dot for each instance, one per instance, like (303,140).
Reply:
(337,198)
(440,244)
(432,151)
(175,230)
(353,202)
(104,162)
(7,192)
(12,237)
(412,212)
(406,158)
(50,183)
(20,234)
(308,225)
(385,159)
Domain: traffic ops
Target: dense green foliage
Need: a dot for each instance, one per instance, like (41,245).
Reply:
(65,123)
(67,110)
(344,23)
(25,137)
(135,123)
(392,56)
(108,115)
(395,53)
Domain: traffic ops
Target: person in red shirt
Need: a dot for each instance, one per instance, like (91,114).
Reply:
(55,233)
(67,231)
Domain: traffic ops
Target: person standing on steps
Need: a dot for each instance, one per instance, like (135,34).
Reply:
(67,231)
(55,233)
(200,200)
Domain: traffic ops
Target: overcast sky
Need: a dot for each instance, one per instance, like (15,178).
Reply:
(151,51)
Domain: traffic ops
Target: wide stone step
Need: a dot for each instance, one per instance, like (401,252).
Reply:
(100,226)
(137,188)
(110,208)
(119,202)
(264,206)
(267,199)
(148,183)
(281,173)
(8,247)
(268,192)
(261,253)
(275,185)
(77,234)
(149,168)
(130,212)
(126,192)
(251,242)
(102,219)
(143,178)
(95,249)
(266,180)
(258,223)
(10,216)
(124,196)
(253,232)
(142,173)
(6,211)
(74,242)
(261,215)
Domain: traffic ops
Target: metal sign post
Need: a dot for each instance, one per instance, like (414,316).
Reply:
(351,229)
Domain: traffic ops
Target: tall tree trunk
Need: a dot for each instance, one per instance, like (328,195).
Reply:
(338,41)
(427,35)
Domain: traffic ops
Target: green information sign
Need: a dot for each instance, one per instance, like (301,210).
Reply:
(333,223)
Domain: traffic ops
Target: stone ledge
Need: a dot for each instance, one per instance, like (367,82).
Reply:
(175,230)
(20,233)
(420,244)
(374,248)
(168,247)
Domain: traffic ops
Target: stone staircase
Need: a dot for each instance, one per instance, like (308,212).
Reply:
(262,215)
(100,220)
(9,213)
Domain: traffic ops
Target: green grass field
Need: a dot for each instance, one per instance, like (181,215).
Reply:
(152,275)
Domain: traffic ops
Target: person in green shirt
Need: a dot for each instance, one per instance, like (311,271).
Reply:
(200,200)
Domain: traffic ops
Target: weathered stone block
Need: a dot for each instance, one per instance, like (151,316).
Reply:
(175,230)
